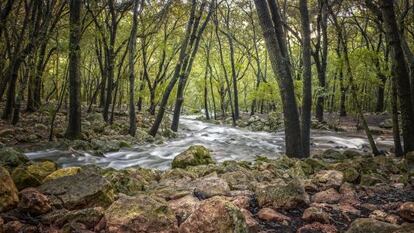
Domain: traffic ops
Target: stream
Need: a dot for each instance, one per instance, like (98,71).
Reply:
(225,142)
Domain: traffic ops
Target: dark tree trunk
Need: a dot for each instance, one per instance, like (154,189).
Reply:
(271,24)
(395,124)
(307,77)
(74,126)
(400,70)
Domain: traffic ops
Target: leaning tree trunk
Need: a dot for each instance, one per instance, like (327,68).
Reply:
(400,70)
(271,24)
(74,126)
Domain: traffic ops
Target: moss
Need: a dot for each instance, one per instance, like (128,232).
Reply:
(193,156)
(10,157)
(23,179)
(67,171)
(42,169)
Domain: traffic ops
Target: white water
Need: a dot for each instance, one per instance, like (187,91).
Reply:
(225,142)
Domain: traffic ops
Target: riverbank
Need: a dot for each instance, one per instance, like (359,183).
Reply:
(332,192)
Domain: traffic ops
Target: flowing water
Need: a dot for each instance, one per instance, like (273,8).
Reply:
(225,142)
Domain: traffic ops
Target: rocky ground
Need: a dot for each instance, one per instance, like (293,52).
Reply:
(33,130)
(331,192)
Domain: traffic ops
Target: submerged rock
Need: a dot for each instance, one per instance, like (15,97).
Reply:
(8,191)
(141,213)
(282,195)
(215,215)
(79,191)
(193,156)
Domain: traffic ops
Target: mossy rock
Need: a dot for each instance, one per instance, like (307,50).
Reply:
(193,156)
(41,169)
(126,181)
(350,153)
(8,192)
(369,225)
(67,171)
(23,179)
(371,179)
(11,158)
(331,155)
(316,164)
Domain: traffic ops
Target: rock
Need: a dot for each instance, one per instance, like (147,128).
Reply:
(10,157)
(371,179)
(8,192)
(317,227)
(34,202)
(382,216)
(331,154)
(405,228)
(238,180)
(314,214)
(268,214)
(207,187)
(406,211)
(42,169)
(282,195)
(328,179)
(349,194)
(215,215)
(193,156)
(13,227)
(141,213)
(252,225)
(67,171)
(41,127)
(386,124)
(184,207)
(89,217)
(350,153)
(23,179)
(1,225)
(126,181)
(369,225)
(330,196)
(79,191)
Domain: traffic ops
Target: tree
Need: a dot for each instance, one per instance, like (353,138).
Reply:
(273,33)
(73,130)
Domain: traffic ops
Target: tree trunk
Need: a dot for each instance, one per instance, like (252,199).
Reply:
(395,124)
(307,77)
(74,126)
(273,33)
(400,70)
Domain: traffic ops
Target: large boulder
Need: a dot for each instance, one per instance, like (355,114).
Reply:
(282,195)
(8,192)
(193,156)
(141,213)
(34,202)
(79,191)
(215,215)
(10,157)
(89,217)
(369,225)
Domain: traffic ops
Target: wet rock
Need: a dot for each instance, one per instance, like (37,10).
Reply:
(269,214)
(406,211)
(8,191)
(79,191)
(67,171)
(23,179)
(317,227)
(184,207)
(207,187)
(141,213)
(42,169)
(215,215)
(193,156)
(10,157)
(328,179)
(314,214)
(385,217)
(330,196)
(282,195)
(34,202)
(369,225)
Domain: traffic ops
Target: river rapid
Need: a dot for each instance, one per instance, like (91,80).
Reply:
(225,142)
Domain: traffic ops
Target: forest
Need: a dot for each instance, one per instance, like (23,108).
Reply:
(207,116)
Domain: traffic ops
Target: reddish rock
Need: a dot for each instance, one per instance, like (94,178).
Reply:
(34,202)
(385,217)
(406,211)
(268,214)
(314,214)
(317,227)
(328,179)
(330,196)
(184,207)
(215,214)
(13,227)
(251,223)
(241,201)
(349,194)
(1,225)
